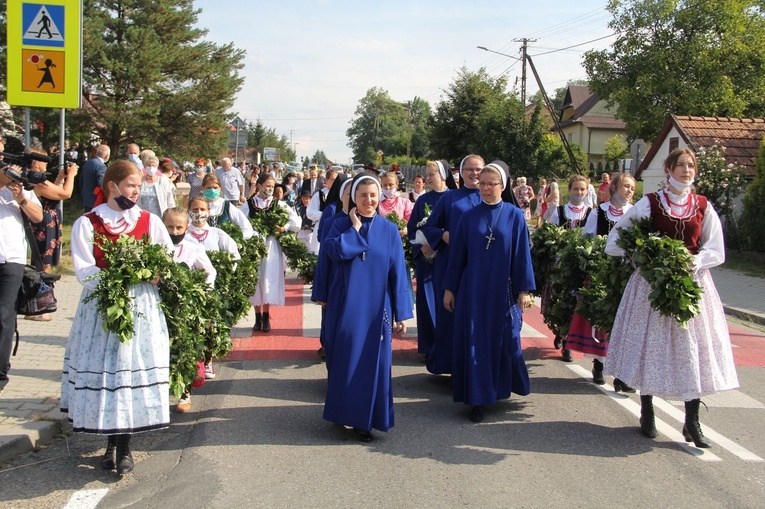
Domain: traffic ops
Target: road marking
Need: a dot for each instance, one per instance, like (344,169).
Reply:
(634,408)
(86,499)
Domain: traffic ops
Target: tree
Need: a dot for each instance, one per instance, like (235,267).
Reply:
(752,220)
(320,158)
(454,131)
(615,148)
(396,128)
(687,57)
(719,181)
(259,137)
(150,79)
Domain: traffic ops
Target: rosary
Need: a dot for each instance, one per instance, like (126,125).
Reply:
(490,236)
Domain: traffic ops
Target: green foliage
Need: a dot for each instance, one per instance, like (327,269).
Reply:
(615,147)
(562,258)
(259,137)
(752,220)
(719,181)
(190,319)
(396,128)
(604,287)
(130,262)
(150,78)
(192,312)
(299,259)
(667,266)
(681,56)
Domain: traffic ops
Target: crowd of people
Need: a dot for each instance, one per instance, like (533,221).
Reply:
(469,230)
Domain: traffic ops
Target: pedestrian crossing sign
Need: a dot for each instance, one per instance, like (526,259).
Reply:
(43,25)
(45,53)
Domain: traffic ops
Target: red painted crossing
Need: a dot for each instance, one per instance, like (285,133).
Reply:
(286,339)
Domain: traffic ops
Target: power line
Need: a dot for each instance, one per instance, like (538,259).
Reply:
(576,45)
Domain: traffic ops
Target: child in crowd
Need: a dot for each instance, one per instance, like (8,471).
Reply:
(194,255)
(213,239)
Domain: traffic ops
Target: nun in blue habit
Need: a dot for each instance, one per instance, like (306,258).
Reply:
(368,300)
(443,220)
(486,286)
(436,173)
(325,270)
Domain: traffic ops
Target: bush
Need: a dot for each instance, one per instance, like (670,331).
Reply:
(753,217)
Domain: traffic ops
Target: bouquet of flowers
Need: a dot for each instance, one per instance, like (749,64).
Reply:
(419,237)
(405,242)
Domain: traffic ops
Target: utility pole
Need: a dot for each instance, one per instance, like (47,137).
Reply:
(525,42)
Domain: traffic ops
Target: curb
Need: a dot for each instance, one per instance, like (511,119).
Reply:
(29,436)
(745,315)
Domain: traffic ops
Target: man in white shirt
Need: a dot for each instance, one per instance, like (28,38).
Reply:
(231,182)
(13,256)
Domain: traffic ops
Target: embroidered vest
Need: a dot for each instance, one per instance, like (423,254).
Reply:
(687,229)
(568,223)
(141,229)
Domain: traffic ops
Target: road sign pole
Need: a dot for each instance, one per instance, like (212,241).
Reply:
(27,137)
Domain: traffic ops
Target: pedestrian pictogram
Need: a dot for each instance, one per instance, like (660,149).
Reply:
(43,71)
(43,25)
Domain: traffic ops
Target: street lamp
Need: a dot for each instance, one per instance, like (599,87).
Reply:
(497,52)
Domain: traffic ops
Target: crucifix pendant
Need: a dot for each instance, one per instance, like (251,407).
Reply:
(489,238)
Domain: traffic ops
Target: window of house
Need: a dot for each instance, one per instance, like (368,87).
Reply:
(673,143)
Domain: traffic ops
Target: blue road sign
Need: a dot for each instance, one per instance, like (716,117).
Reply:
(43,25)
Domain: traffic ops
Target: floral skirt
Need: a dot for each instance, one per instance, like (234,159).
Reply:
(108,387)
(657,356)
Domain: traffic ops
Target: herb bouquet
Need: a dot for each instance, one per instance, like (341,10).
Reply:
(545,241)
(603,293)
(130,262)
(299,258)
(667,266)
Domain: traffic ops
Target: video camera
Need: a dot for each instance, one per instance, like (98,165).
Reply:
(25,176)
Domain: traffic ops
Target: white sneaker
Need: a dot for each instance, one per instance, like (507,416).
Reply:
(209,372)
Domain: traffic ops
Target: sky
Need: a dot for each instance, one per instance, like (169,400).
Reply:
(308,63)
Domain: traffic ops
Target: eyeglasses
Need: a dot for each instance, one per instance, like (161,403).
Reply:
(473,170)
(489,184)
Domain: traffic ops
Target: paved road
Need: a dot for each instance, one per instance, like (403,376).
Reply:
(256,437)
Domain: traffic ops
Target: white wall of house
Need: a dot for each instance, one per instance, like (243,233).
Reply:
(653,175)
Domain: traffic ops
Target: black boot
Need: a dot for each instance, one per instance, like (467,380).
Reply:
(692,427)
(266,323)
(557,342)
(107,462)
(258,325)
(621,386)
(597,372)
(124,458)
(566,353)
(647,418)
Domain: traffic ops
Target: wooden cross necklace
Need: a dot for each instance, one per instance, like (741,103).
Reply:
(490,236)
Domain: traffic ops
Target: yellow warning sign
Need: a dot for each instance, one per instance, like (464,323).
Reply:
(43,71)
(44,53)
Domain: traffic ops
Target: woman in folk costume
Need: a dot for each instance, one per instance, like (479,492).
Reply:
(270,289)
(109,387)
(571,215)
(490,256)
(652,352)
(581,336)
(368,300)
(222,211)
(436,173)
(443,220)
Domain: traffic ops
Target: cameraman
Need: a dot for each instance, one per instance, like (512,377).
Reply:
(13,256)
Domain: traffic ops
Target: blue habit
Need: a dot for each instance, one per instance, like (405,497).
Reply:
(425,299)
(324,274)
(369,292)
(329,211)
(488,360)
(445,217)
